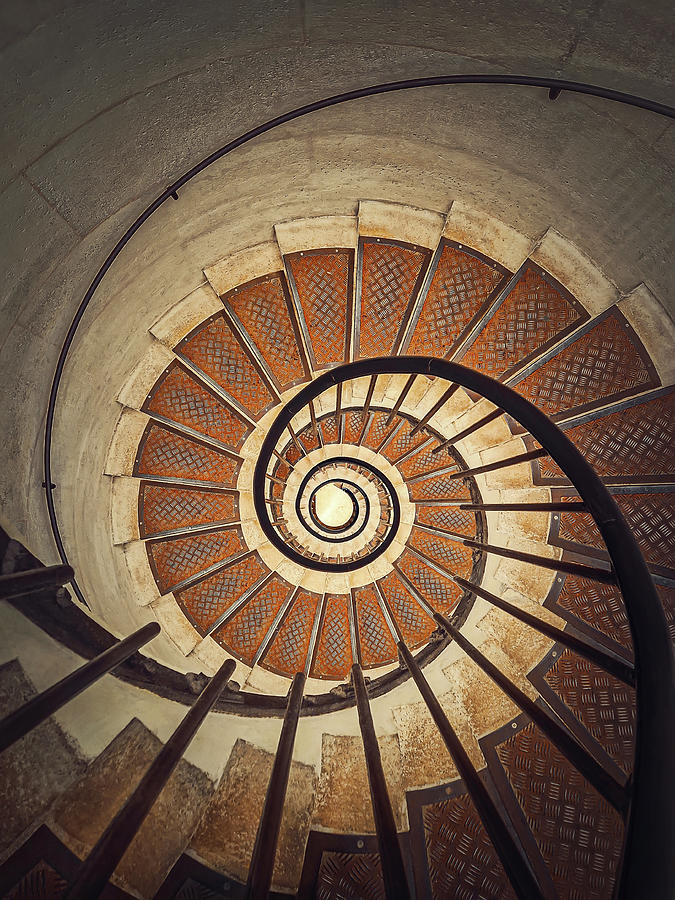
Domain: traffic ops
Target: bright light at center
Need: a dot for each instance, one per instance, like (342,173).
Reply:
(333,505)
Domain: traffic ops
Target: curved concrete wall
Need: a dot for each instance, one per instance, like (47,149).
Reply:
(108,102)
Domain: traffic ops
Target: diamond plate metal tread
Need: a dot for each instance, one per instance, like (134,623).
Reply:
(308,438)
(333,657)
(330,429)
(204,602)
(324,283)
(536,314)
(462,863)
(263,307)
(578,834)
(637,441)
(179,397)
(438,590)
(445,551)
(392,275)
(349,875)
(650,517)
(377,430)
(41,882)
(166,453)
(402,443)
(354,421)
(244,632)
(460,291)
(287,654)
(165,508)
(604,705)
(423,462)
(375,640)
(439,487)
(600,606)
(606,362)
(448,518)
(173,561)
(414,624)
(215,350)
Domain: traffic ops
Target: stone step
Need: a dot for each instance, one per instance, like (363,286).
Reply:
(35,769)
(82,811)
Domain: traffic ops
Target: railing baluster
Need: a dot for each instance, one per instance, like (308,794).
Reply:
(573,505)
(43,705)
(19,583)
(606,785)
(490,417)
(510,853)
(301,450)
(401,397)
(100,864)
(395,881)
(612,664)
(434,409)
(265,847)
(502,463)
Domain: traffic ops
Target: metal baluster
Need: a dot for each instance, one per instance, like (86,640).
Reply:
(19,583)
(265,847)
(100,864)
(43,705)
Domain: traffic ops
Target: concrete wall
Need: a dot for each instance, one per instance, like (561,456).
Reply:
(106,103)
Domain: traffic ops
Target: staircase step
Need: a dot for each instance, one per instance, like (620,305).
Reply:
(226,834)
(36,768)
(83,810)
(343,796)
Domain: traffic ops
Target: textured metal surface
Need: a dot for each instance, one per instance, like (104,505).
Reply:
(635,441)
(203,603)
(179,397)
(173,561)
(423,462)
(330,429)
(244,632)
(439,487)
(377,430)
(42,881)
(334,653)
(215,350)
(377,645)
(461,860)
(650,516)
(263,308)
(599,605)
(163,508)
(288,651)
(438,590)
(577,832)
(323,281)
(533,316)
(353,426)
(413,623)
(603,704)
(448,518)
(165,453)
(459,289)
(447,553)
(402,442)
(391,278)
(605,362)
(349,875)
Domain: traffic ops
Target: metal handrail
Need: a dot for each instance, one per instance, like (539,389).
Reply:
(554,85)
(650,829)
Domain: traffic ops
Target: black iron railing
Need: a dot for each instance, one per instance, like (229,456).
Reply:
(648,802)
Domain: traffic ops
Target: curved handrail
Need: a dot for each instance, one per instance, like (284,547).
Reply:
(555,86)
(648,867)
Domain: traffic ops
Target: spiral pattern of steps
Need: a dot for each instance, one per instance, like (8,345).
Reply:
(380,494)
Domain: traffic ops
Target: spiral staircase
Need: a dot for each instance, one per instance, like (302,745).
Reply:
(281,498)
